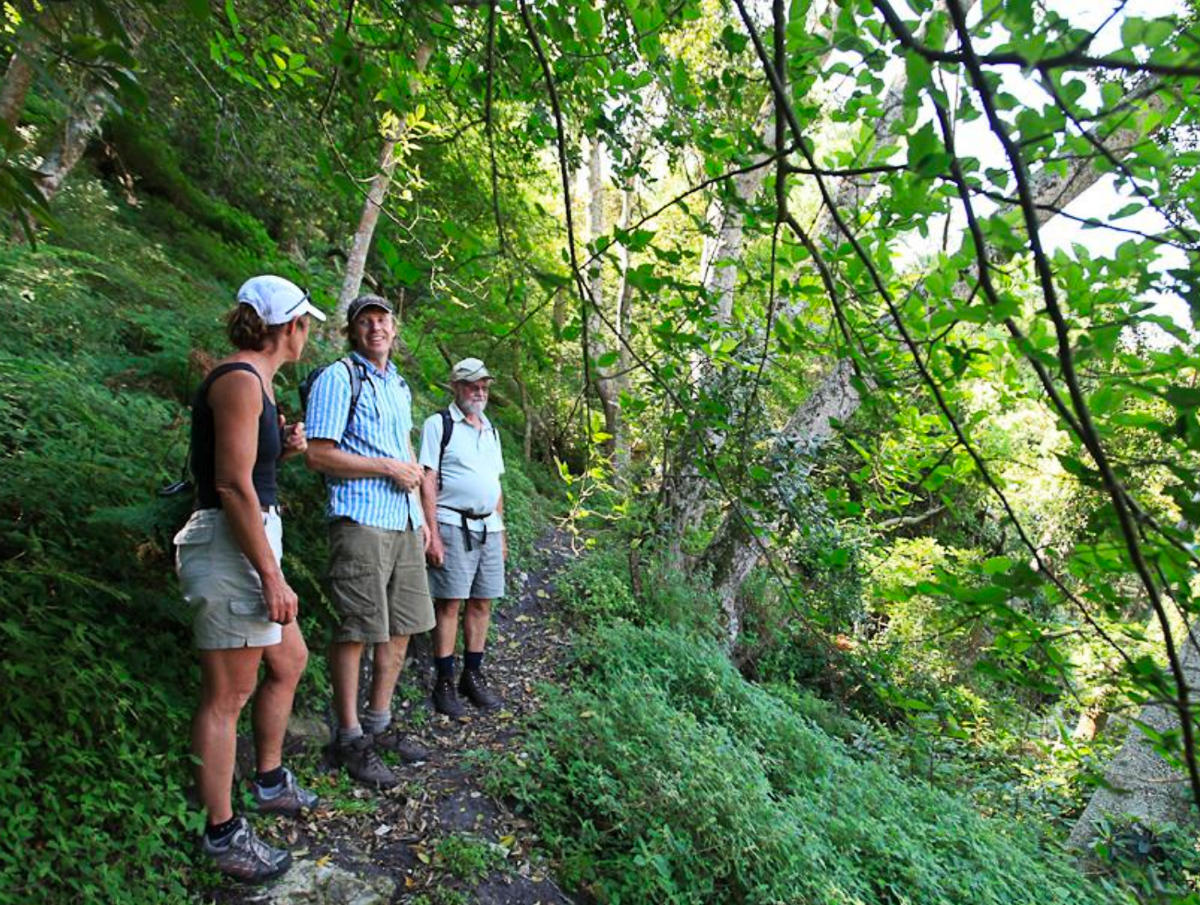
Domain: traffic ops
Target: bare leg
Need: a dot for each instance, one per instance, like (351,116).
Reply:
(273,700)
(344,657)
(475,624)
(446,630)
(389,660)
(227,681)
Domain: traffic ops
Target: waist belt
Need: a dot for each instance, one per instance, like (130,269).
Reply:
(467,515)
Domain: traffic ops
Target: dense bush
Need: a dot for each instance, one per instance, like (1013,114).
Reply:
(663,776)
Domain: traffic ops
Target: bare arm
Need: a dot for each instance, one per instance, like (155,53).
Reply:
(429,493)
(236,403)
(324,456)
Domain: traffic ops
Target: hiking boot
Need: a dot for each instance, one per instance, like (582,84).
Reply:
(247,858)
(290,800)
(363,763)
(473,687)
(445,700)
(409,750)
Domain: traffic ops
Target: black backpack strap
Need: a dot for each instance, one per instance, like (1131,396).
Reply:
(358,376)
(447,430)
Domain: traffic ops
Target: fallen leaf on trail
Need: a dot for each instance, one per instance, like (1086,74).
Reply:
(323,860)
(524,618)
(382,830)
(508,841)
(587,714)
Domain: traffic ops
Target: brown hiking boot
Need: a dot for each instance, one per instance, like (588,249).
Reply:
(445,700)
(409,750)
(363,763)
(473,686)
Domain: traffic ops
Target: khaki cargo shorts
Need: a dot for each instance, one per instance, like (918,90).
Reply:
(377,581)
(222,585)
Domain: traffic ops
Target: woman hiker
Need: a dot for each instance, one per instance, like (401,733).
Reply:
(228,560)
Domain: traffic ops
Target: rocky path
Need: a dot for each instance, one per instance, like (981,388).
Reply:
(438,838)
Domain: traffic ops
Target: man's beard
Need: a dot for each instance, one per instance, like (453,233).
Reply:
(472,408)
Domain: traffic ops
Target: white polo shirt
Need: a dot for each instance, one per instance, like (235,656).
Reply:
(471,469)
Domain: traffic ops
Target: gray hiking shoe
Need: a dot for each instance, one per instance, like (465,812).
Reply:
(410,750)
(247,858)
(362,762)
(290,800)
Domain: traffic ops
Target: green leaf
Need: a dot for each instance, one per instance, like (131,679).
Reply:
(589,21)
(997,564)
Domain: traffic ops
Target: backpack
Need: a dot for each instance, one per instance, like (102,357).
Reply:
(447,430)
(358,375)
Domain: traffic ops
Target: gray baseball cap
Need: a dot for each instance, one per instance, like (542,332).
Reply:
(469,370)
(277,301)
(367,301)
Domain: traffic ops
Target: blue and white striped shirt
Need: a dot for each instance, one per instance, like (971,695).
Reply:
(380,429)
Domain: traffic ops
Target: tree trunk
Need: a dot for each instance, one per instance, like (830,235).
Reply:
(1142,784)
(685,489)
(81,125)
(19,74)
(622,445)
(356,260)
(1090,724)
(735,551)
(605,389)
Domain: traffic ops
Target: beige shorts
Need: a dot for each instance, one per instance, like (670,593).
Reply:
(217,579)
(377,581)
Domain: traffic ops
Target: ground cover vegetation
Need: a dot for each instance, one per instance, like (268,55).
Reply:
(855,336)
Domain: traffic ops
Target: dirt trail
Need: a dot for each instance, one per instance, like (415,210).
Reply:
(439,835)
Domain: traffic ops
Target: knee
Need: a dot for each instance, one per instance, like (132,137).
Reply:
(227,702)
(290,667)
(447,610)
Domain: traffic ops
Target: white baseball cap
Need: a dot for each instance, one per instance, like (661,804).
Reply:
(277,300)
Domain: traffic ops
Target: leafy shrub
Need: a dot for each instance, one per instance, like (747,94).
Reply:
(154,161)
(663,776)
(468,858)
(95,665)
(596,588)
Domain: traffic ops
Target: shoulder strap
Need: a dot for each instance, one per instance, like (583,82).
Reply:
(358,375)
(220,371)
(447,430)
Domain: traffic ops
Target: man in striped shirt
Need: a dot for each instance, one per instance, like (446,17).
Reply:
(377,535)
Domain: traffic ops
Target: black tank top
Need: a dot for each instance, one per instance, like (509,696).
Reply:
(204,440)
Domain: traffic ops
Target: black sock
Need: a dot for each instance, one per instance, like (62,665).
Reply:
(221,832)
(445,667)
(472,660)
(271,778)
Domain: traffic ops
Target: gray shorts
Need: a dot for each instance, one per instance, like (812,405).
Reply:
(222,585)
(478,572)
(377,580)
